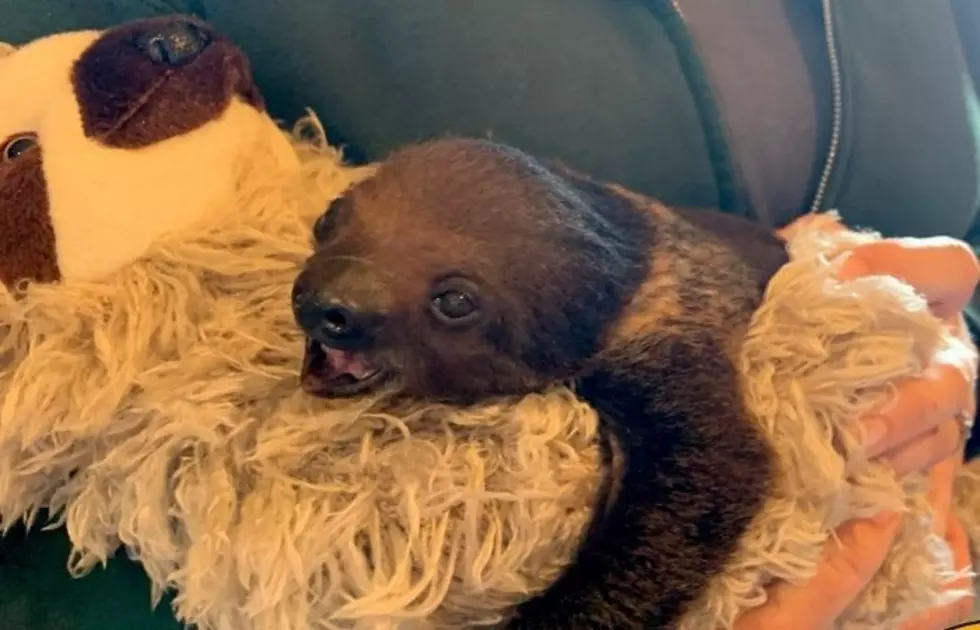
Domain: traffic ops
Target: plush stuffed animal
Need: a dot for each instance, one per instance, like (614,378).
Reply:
(152,221)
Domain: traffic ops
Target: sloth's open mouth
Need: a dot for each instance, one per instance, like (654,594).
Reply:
(331,372)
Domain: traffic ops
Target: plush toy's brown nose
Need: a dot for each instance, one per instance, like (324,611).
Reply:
(174,42)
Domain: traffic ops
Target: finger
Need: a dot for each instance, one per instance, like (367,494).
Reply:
(942,618)
(928,450)
(944,270)
(844,571)
(965,354)
(959,610)
(919,406)
(942,479)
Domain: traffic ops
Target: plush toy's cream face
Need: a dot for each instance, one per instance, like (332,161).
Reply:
(110,139)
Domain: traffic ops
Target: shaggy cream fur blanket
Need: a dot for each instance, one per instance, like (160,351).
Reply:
(159,411)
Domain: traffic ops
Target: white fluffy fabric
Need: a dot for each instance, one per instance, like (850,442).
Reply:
(819,354)
(158,410)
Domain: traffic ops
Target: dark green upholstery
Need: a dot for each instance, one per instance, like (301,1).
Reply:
(36,592)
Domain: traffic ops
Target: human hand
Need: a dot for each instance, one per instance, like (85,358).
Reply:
(922,428)
(848,565)
(929,417)
(927,423)
(845,569)
(941,480)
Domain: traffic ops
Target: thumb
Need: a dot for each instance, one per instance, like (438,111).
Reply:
(958,610)
(846,568)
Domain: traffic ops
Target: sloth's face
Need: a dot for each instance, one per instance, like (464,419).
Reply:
(452,283)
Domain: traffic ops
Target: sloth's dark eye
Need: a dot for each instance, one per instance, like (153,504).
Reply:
(15,146)
(338,210)
(454,307)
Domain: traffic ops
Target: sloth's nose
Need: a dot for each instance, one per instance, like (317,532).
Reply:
(330,320)
(174,42)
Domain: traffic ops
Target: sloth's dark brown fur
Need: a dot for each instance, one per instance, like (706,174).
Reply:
(642,306)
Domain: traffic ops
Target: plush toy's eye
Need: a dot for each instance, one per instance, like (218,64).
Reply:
(15,146)
(455,306)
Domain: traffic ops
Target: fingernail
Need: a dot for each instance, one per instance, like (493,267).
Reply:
(884,524)
(886,518)
(851,266)
(875,433)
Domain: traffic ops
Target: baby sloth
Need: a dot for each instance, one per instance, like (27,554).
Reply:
(465,270)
